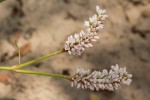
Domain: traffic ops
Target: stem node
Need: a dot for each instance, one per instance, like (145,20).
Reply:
(14,68)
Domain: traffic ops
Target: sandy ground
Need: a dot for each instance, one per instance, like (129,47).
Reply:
(44,25)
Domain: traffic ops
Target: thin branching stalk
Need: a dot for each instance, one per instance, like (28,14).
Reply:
(37,60)
(76,44)
(35,72)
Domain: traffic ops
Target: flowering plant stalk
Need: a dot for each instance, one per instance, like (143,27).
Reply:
(76,44)
(105,80)
(37,60)
(33,72)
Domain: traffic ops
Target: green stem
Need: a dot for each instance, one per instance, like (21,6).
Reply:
(41,73)
(5,68)
(35,73)
(38,59)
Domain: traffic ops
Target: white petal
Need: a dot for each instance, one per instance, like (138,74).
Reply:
(97,8)
(72,84)
(86,23)
(90,45)
(69,52)
(78,85)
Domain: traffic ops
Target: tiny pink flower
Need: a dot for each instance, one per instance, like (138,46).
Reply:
(106,80)
(77,43)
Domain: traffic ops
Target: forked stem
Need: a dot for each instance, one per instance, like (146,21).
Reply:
(35,72)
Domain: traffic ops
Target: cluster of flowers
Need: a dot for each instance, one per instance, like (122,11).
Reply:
(105,80)
(77,43)
(96,80)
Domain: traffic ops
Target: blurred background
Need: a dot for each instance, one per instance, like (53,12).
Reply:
(42,26)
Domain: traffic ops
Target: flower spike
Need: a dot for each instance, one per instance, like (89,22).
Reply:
(77,43)
(105,80)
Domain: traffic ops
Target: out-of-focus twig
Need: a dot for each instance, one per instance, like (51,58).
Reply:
(19,54)
(1,1)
